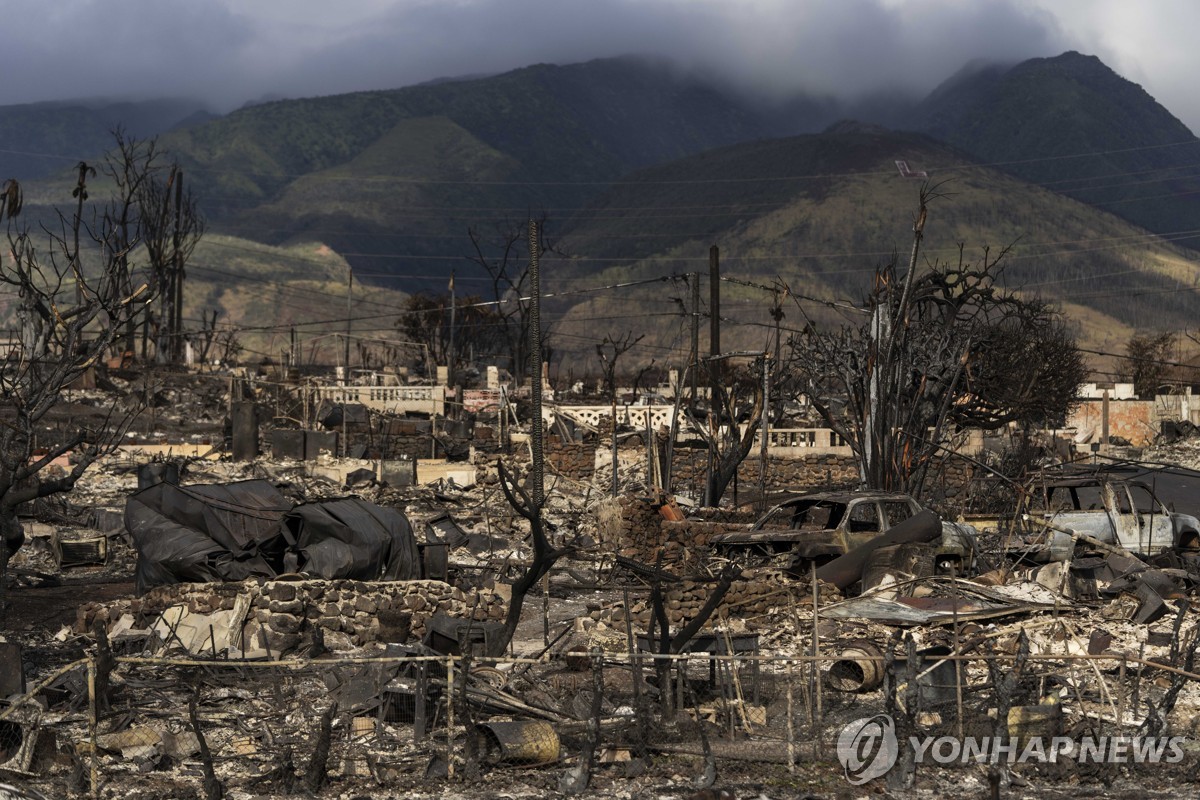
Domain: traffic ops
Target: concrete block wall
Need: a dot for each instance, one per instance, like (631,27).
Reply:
(1134,420)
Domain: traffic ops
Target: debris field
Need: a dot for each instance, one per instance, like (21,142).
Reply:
(333,616)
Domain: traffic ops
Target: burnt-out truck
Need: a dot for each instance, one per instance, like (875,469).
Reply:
(1119,513)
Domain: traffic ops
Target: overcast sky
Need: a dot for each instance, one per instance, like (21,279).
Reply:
(229,51)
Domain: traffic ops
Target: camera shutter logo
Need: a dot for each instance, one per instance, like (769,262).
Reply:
(867,748)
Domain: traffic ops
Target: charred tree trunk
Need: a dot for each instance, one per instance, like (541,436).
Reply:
(317,774)
(213,790)
(544,558)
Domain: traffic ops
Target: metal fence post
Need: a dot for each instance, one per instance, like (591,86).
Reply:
(93,713)
(791,725)
(450,717)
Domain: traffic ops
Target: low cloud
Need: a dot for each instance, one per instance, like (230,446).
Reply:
(229,54)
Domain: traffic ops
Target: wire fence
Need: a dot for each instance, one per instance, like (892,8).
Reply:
(581,721)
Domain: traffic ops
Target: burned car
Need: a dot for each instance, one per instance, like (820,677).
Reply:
(1120,513)
(820,527)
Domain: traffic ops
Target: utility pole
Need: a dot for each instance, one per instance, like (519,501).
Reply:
(714,366)
(177,244)
(349,316)
(714,319)
(695,334)
(777,315)
(535,346)
(766,432)
(450,352)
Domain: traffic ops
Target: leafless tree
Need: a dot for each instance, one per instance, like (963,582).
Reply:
(504,255)
(1146,358)
(935,351)
(609,352)
(171,227)
(129,166)
(76,291)
(478,328)
(731,426)
(545,556)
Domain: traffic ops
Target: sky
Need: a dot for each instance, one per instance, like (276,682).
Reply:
(228,52)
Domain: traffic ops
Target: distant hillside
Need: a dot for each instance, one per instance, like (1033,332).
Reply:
(262,292)
(394,179)
(639,169)
(41,139)
(820,211)
(375,174)
(1071,124)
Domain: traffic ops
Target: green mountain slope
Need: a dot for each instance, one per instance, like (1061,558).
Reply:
(1071,124)
(640,170)
(821,211)
(543,137)
(262,292)
(40,139)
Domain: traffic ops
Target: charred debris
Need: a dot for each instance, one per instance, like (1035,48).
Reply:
(275,587)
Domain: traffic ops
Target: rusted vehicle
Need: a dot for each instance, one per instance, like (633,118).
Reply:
(1120,513)
(820,527)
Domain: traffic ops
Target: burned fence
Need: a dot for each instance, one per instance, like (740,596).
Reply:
(576,721)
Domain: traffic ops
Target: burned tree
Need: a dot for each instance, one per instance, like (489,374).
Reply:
(545,556)
(530,504)
(472,331)
(609,351)
(732,424)
(1146,359)
(75,292)
(505,255)
(935,352)
(171,226)
(130,167)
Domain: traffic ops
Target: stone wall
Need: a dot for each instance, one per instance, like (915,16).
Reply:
(812,473)
(645,532)
(948,489)
(573,459)
(279,615)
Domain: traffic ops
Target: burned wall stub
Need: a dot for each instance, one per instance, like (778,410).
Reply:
(278,616)
(644,533)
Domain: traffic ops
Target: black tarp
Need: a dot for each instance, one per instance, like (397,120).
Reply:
(230,532)
(352,538)
(216,532)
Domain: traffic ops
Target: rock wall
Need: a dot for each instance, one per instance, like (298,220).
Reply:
(280,614)
(645,532)
(573,459)
(812,473)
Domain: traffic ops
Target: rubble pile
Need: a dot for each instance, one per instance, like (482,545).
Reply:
(1062,620)
(761,598)
(278,615)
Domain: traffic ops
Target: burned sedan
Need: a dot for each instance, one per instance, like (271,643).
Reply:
(821,527)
